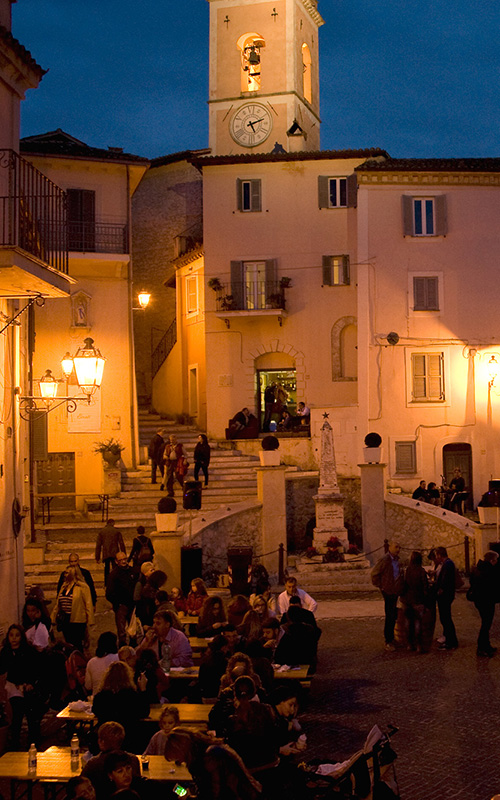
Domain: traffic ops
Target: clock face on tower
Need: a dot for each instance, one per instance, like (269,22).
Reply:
(251,124)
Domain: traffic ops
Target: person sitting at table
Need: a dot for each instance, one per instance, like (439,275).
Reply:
(250,731)
(123,782)
(36,623)
(284,702)
(162,632)
(80,787)
(145,596)
(178,600)
(110,737)
(196,597)
(237,609)
(299,643)
(20,667)
(156,681)
(169,719)
(303,616)
(261,664)
(106,653)
(212,617)
(251,627)
(128,655)
(239,664)
(217,770)
(212,667)
(120,700)
(235,642)
(271,633)
(291,589)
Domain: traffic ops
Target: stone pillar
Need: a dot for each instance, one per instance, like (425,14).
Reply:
(329,502)
(483,535)
(272,495)
(373,508)
(168,554)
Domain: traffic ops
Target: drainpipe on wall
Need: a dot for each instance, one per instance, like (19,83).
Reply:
(134,434)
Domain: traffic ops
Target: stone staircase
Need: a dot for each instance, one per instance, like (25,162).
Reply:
(232,479)
(352,575)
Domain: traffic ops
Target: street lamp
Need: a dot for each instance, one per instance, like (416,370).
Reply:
(144,298)
(89,367)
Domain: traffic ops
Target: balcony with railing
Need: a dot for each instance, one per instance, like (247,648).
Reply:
(264,298)
(189,240)
(97,237)
(32,218)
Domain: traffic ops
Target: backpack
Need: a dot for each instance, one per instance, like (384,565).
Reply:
(145,553)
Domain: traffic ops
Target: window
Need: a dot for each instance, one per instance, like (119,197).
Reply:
(424,216)
(191,294)
(337,192)
(426,293)
(254,285)
(306,73)
(248,195)
(427,375)
(336,271)
(81,220)
(406,457)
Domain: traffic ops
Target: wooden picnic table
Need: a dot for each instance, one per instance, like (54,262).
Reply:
(189,713)
(54,766)
(299,673)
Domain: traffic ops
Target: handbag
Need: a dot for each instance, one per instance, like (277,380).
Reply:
(131,627)
(182,466)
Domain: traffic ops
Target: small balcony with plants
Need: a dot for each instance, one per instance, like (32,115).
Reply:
(262,298)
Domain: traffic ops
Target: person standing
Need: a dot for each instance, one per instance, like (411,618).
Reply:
(73,609)
(174,457)
(142,549)
(74,561)
(445,595)
(387,575)
(109,542)
(120,593)
(201,457)
(269,405)
(413,597)
(155,453)
(484,583)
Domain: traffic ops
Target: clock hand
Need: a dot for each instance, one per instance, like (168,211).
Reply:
(258,120)
(251,124)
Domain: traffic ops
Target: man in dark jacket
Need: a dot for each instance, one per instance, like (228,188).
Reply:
(387,575)
(120,593)
(109,542)
(484,586)
(445,595)
(74,561)
(155,453)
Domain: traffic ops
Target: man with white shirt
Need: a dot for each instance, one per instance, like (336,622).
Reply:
(292,589)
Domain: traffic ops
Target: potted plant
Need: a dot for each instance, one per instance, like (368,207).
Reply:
(227,303)
(275,300)
(215,284)
(166,518)
(285,283)
(372,452)
(334,550)
(269,455)
(110,450)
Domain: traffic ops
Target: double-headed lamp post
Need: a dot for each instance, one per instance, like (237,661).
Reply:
(88,364)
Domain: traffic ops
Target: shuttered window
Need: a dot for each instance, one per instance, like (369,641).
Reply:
(249,195)
(253,283)
(191,294)
(425,293)
(427,377)
(424,216)
(336,271)
(406,459)
(337,192)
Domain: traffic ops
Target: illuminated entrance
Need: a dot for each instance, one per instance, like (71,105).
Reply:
(285,394)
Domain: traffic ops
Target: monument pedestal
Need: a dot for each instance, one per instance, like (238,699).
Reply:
(168,554)
(373,508)
(272,495)
(329,520)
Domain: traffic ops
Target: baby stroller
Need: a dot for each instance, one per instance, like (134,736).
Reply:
(368,775)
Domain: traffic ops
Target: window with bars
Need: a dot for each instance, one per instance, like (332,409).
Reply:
(336,271)
(406,457)
(427,373)
(249,195)
(426,293)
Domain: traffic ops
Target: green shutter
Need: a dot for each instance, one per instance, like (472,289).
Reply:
(345,271)
(352,191)
(39,436)
(432,287)
(256,195)
(327,270)
(407,205)
(419,294)
(441,215)
(405,457)
(323,192)
(435,376)
(237,283)
(418,375)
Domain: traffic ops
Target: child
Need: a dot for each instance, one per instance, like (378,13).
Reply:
(196,597)
(169,719)
(178,600)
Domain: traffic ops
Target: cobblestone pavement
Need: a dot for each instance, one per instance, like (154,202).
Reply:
(445,704)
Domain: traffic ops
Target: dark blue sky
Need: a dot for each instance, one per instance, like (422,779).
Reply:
(418,79)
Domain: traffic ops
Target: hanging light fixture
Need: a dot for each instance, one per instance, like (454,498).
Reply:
(144,298)
(67,365)
(48,386)
(89,367)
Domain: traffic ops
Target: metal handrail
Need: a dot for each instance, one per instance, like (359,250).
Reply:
(163,347)
(250,296)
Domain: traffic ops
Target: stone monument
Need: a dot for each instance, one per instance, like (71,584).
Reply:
(329,501)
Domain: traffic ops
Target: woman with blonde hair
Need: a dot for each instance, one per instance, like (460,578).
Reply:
(120,700)
(73,609)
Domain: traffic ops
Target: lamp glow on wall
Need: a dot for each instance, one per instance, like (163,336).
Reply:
(143,298)
(88,364)
(493,367)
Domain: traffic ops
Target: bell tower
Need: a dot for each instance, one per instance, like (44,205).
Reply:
(264,76)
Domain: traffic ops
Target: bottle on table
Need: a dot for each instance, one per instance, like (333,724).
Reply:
(166,657)
(75,751)
(32,758)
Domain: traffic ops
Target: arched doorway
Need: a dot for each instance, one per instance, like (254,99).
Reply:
(279,369)
(458,455)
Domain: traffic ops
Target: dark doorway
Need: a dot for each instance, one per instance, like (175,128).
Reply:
(459,456)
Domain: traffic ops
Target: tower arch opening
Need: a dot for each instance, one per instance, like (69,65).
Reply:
(250,46)
(307,72)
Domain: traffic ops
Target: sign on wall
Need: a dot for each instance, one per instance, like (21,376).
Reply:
(86,418)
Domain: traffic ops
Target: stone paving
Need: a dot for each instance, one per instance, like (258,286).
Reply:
(445,704)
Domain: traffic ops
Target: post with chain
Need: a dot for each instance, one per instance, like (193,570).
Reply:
(467,555)
(281,564)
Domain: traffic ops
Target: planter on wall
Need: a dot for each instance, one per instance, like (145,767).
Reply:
(487,515)
(269,458)
(372,455)
(166,522)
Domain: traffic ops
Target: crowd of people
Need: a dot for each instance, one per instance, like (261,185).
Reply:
(451,497)
(254,739)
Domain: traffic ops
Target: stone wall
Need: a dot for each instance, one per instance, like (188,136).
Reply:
(239,528)
(300,508)
(419,526)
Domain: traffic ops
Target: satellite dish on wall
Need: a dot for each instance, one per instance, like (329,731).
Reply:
(392,338)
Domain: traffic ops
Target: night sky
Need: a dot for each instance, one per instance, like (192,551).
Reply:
(418,79)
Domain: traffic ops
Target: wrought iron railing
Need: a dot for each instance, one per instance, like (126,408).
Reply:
(250,295)
(32,212)
(97,237)
(189,239)
(163,347)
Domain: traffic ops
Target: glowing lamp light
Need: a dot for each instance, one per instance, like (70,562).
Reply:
(48,386)
(492,370)
(67,365)
(144,298)
(89,367)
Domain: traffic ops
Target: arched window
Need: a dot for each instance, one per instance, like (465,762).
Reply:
(344,350)
(250,46)
(306,73)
